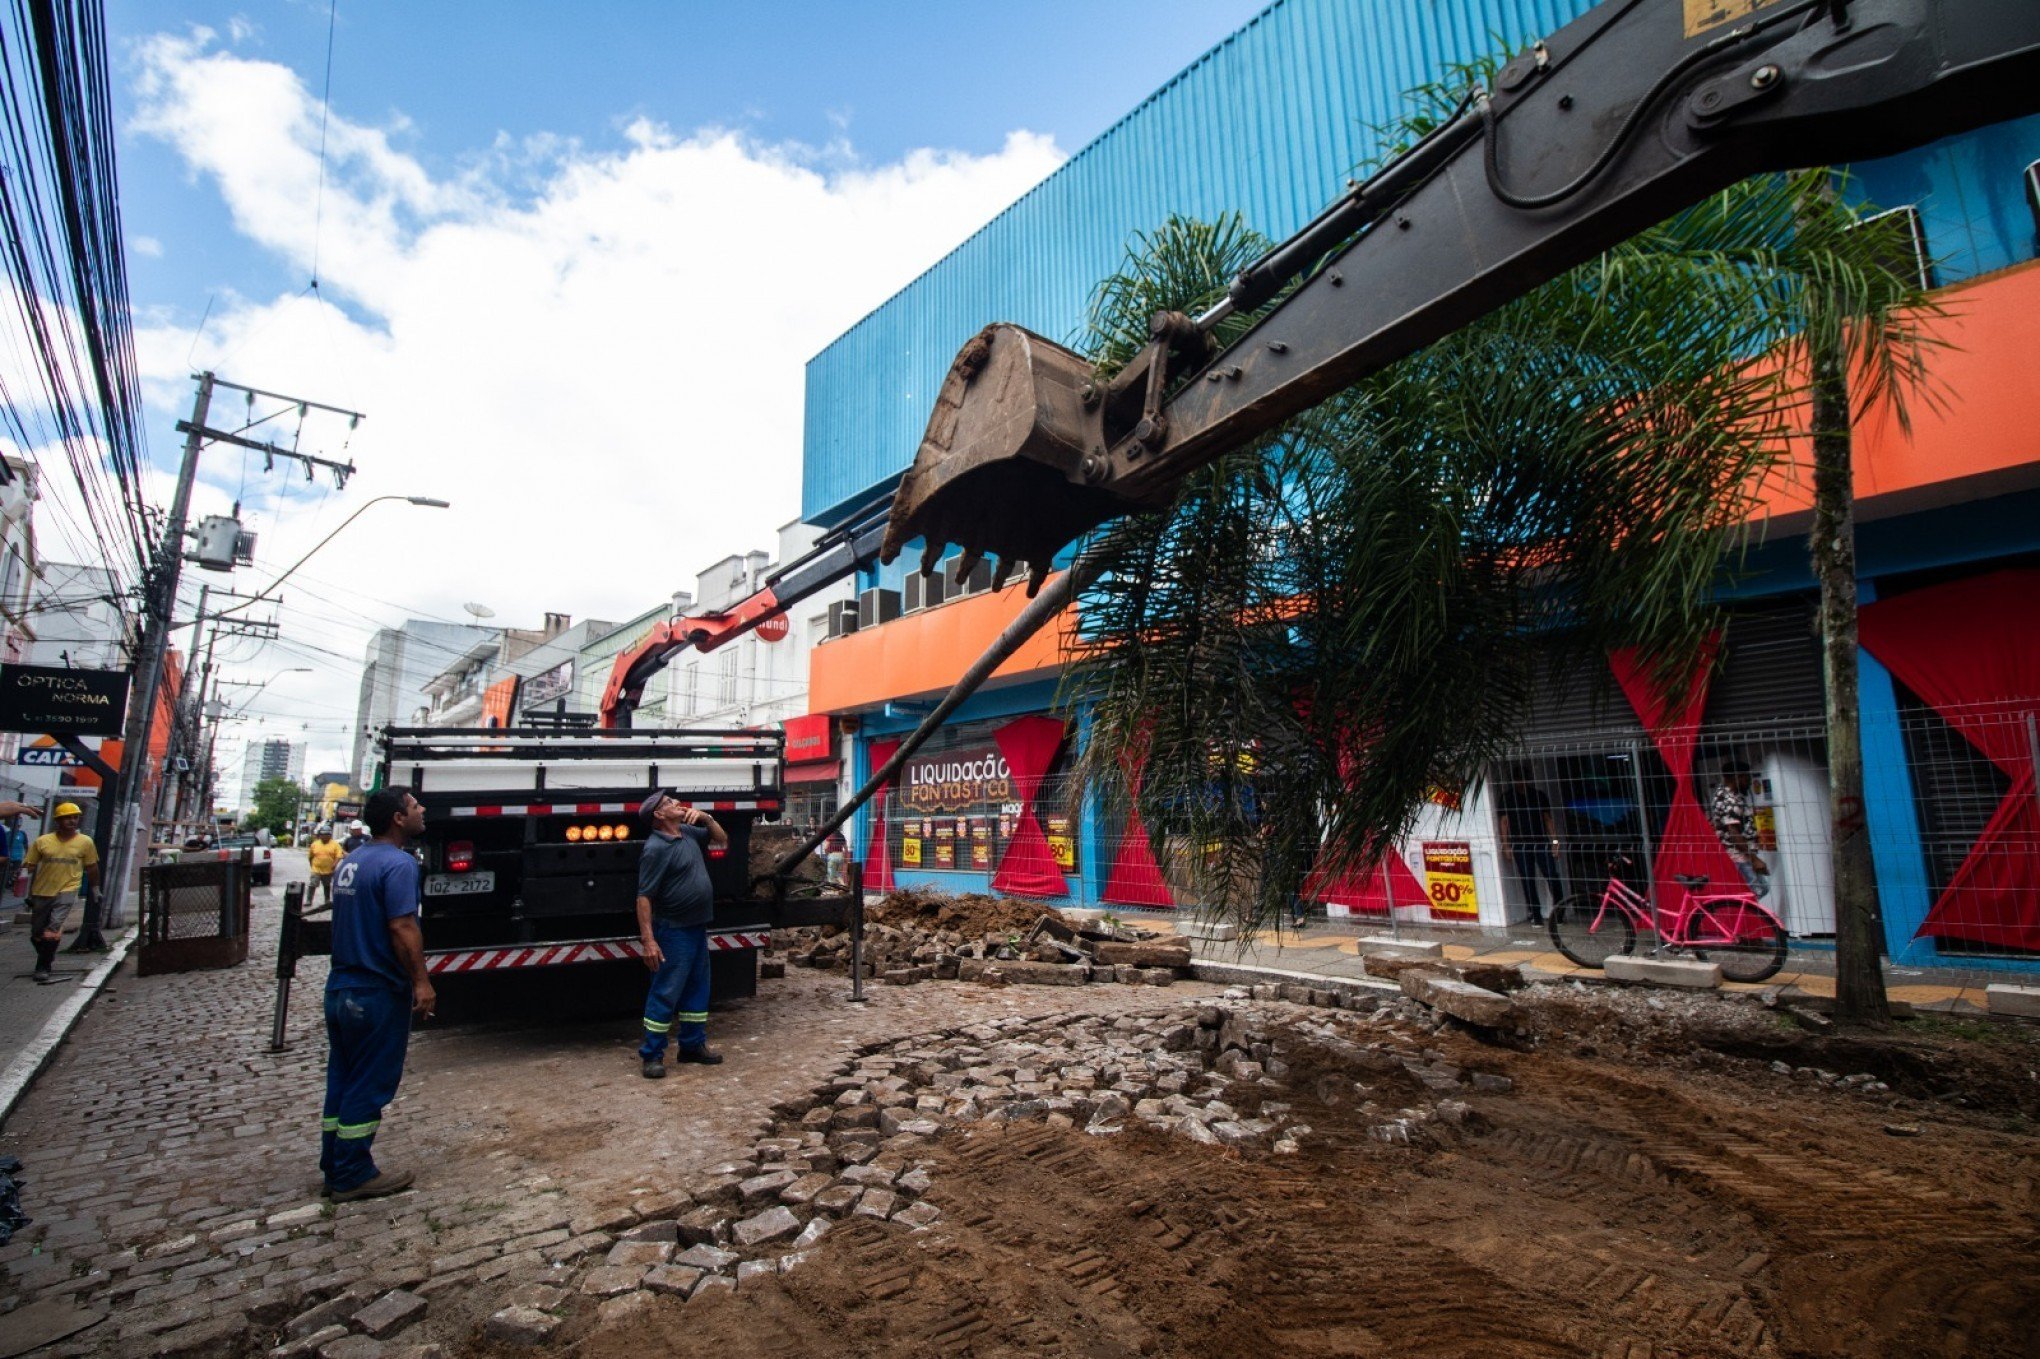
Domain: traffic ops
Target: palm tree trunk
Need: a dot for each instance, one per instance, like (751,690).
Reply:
(1859,928)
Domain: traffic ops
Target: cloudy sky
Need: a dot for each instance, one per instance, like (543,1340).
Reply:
(570,261)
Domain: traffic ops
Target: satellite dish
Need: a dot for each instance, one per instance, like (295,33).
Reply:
(479,610)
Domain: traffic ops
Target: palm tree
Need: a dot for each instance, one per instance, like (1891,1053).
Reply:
(1328,627)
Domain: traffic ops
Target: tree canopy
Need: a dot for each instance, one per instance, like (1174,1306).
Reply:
(1326,628)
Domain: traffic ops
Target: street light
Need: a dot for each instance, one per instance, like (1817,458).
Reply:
(425,500)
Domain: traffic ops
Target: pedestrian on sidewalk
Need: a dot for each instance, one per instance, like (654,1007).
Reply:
(1530,830)
(324,854)
(17,838)
(376,984)
(674,905)
(58,864)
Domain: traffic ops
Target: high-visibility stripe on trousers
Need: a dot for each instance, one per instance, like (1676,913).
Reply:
(366,1031)
(677,1004)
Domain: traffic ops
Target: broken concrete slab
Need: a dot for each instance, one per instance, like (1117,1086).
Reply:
(1145,954)
(1663,972)
(2002,998)
(1408,948)
(1462,1000)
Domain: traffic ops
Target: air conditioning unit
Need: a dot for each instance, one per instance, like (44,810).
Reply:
(913,595)
(876,606)
(1916,262)
(976,583)
(842,618)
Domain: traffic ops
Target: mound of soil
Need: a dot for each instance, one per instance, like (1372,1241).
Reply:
(970,914)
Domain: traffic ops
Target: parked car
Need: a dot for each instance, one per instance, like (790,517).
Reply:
(231,845)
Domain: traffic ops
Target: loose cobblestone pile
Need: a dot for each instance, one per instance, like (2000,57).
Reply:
(855,1146)
(170,1156)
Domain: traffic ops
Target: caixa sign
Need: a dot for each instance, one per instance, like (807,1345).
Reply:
(41,698)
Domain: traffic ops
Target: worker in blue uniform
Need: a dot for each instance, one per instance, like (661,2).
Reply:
(377,983)
(675,903)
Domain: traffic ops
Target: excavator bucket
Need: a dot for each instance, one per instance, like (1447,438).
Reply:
(998,469)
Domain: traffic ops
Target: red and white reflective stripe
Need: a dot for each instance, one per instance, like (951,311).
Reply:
(547,809)
(599,808)
(555,955)
(534,955)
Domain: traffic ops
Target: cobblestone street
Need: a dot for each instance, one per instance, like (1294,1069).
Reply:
(170,1158)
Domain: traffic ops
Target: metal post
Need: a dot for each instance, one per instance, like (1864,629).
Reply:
(1388,895)
(286,960)
(1643,830)
(854,871)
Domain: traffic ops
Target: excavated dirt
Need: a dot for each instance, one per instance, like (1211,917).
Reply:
(970,914)
(1636,1193)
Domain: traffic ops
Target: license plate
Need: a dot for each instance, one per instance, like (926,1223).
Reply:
(459,884)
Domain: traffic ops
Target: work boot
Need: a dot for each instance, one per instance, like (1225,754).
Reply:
(389,1182)
(42,975)
(654,1069)
(699,1056)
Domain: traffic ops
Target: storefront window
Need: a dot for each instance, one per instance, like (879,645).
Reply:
(955,807)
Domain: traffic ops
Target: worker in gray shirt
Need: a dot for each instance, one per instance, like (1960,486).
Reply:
(675,902)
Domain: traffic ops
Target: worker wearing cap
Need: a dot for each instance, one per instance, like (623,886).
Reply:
(58,864)
(674,905)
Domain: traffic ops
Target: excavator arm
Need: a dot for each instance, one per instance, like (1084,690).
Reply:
(836,556)
(1633,111)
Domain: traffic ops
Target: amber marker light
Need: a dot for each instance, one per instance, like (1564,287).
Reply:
(573,832)
(606,833)
(623,832)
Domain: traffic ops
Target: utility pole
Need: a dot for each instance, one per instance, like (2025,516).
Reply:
(159,600)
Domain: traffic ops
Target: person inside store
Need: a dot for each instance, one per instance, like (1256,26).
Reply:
(675,902)
(323,854)
(1730,813)
(1529,829)
(59,864)
(376,984)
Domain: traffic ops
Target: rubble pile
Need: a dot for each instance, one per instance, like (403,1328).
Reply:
(916,935)
(1219,1074)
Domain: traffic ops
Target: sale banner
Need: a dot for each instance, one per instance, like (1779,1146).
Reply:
(1448,878)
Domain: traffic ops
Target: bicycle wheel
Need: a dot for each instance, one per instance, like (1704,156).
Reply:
(1758,950)
(1586,932)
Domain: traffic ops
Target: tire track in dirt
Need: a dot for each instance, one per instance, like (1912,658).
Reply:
(1867,1258)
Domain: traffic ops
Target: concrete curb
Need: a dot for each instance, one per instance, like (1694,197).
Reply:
(1243,974)
(29,1062)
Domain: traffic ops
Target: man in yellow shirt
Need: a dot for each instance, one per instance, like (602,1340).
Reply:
(58,863)
(324,853)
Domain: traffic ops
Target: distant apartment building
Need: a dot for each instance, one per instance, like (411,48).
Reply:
(271,758)
(398,664)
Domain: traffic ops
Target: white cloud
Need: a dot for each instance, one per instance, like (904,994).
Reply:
(596,354)
(147,246)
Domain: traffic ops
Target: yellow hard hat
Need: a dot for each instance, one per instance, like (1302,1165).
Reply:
(69,809)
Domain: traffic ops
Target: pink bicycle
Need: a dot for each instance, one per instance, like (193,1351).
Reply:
(1726,927)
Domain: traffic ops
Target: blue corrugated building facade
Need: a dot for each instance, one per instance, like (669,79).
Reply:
(1270,124)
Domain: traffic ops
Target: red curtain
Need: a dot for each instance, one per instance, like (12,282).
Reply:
(878,854)
(1134,878)
(1028,867)
(1687,844)
(1971,650)
(1365,891)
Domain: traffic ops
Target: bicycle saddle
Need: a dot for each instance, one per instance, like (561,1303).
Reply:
(1695,881)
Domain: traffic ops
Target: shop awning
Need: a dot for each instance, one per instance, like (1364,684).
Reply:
(821,771)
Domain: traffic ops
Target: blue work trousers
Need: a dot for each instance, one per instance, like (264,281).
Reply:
(677,1005)
(366,1031)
